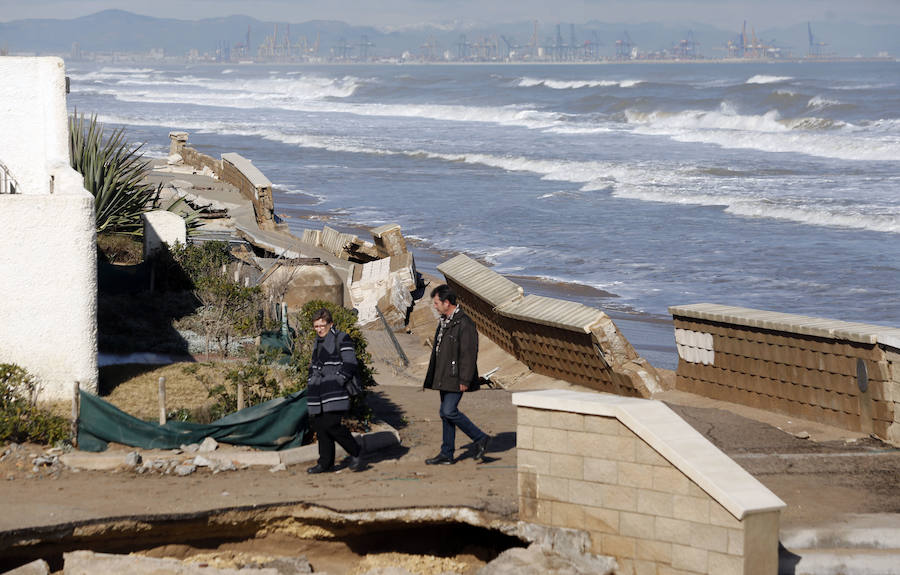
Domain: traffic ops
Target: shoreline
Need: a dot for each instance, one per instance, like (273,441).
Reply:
(651,335)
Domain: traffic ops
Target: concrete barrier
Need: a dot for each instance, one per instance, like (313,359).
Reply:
(838,373)
(648,488)
(559,338)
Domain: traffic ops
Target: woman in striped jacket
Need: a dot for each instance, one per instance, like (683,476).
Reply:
(332,365)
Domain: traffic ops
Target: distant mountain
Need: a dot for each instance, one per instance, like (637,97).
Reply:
(121,31)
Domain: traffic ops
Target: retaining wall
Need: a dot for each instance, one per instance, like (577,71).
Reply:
(839,373)
(559,338)
(253,185)
(648,488)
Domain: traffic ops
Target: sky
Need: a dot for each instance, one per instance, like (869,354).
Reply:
(389,14)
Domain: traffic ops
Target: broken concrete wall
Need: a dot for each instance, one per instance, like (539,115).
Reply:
(197,160)
(558,338)
(254,186)
(837,373)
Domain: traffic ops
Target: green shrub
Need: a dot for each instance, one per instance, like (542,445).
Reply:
(229,308)
(344,320)
(259,379)
(20,417)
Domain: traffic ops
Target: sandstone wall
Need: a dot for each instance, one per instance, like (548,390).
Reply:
(649,489)
(839,373)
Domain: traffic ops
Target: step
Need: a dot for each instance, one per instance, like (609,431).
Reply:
(839,562)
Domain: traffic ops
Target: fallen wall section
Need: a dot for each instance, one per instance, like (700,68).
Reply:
(838,373)
(648,488)
(559,338)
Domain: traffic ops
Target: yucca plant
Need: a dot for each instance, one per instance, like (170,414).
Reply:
(114,173)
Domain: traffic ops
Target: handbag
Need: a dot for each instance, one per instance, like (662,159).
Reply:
(352,386)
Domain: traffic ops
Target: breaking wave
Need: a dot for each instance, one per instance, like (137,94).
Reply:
(764,79)
(527,82)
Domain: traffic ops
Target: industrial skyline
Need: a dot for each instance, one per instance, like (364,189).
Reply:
(392,14)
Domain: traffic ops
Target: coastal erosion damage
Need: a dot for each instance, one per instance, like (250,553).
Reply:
(303,538)
(834,372)
(558,338)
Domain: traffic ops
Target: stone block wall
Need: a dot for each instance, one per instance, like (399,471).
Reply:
(649,489)
(558,338)
(833,372)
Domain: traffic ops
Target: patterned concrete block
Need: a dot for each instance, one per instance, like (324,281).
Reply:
(567,514)
(655,503)
(722,564)
(585,493)
(534,461)
(694,509)
(565,420)
(552,488)
(653,550)
(710,537)
(636,475)
(552,440)
(617,546)
(568,466)
(533,417)
(637,525)
(602,425)
(524,437)
(601,520)
(617,497)
(673,530)
(690,559)
(600,470)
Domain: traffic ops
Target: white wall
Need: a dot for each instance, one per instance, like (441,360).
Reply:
(48,261)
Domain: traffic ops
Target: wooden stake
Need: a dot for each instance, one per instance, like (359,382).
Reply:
(162,401)
(240,398)
(76,410)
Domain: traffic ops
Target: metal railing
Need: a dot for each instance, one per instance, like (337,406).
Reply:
(8,184)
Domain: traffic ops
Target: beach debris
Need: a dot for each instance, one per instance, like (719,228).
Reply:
(208,444)
(133,459)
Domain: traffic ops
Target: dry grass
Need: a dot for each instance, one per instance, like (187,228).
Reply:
(135,388)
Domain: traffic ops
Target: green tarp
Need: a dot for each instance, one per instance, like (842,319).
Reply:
(276,424)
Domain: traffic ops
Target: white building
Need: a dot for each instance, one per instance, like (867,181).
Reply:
(48,267)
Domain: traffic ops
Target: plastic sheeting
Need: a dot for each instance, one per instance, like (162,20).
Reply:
(276,424)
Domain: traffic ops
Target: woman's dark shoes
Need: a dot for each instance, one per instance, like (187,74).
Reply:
(481,447)
(317,469)
(440,459)
(356,463)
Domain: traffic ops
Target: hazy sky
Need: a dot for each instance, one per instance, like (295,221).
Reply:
(393,13)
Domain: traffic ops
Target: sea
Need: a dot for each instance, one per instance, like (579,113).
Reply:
(628,187)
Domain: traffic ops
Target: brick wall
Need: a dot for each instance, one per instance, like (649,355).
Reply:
(592,472)
(805,367)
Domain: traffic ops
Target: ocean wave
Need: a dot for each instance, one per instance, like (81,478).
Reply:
(764,79)
(723,119)
(644,182)
(528,82)
(819,102)
(312,101)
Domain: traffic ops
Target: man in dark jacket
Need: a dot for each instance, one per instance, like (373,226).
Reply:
(452,370)
(332,365)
